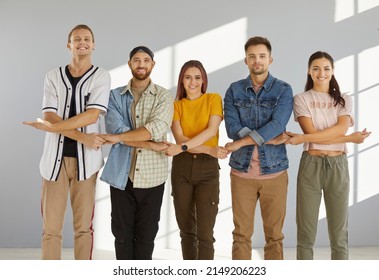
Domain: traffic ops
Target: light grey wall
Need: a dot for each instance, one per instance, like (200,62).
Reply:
(33,41)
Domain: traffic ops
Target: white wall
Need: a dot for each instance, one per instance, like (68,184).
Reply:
(33,41)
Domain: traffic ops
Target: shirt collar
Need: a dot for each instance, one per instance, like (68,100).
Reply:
(150,88)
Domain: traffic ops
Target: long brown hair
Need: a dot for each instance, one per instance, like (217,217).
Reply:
(334,89)
(180,91)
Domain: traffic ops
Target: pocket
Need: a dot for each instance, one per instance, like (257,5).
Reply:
(243,107)
(267,107)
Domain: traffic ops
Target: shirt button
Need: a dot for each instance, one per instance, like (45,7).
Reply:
(139,151)
(137,169)
(194,156)
(137,116)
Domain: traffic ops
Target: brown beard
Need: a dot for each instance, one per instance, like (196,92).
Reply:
(141,77)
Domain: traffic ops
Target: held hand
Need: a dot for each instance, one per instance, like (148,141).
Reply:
(159,146)
(295,138)
(359,137)
(173,149)
(219,152)
(93,141)
(280,139)
(110,138)
(232,146)
(41,125)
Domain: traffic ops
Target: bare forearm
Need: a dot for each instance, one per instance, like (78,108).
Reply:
(135,135)
(337,140)
(73,134)
(201,149)
(238,144)
(139,144)
(80,120)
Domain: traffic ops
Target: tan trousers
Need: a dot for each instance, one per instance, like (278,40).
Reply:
(272,195)
(53,207)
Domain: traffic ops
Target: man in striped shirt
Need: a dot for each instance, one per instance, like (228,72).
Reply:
(74,98)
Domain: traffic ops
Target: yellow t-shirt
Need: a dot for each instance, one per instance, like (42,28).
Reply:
(194,115)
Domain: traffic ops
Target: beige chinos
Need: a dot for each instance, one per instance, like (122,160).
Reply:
(272,196)
(53,207)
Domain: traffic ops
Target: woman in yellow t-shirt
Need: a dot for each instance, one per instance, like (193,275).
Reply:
(195,169)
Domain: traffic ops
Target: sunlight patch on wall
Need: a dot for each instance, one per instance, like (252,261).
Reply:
(162,73)
(368,63)
(216,49)
(348,8)
(364,5)
(343,10)
(344,72)
(368,87)
(120,76)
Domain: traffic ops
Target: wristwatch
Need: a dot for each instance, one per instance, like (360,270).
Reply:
(184,147)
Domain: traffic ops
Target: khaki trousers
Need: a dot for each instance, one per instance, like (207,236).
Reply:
(195,190)
(53,207)
(329,177)
(272,196)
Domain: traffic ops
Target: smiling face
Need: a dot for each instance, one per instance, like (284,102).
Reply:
(81,42)
(192,81)
(321,72)
(141,64)
(258,58)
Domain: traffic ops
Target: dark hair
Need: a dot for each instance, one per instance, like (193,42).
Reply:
(180,91)
(80,26)
(334,89)
(257,40)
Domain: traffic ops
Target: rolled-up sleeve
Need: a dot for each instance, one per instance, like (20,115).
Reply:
(160,118)
(115,119)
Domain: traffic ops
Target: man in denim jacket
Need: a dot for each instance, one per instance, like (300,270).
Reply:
(257,110)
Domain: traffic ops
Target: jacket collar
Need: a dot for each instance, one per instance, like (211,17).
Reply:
(267,84)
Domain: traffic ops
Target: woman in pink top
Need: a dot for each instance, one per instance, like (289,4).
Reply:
(324,115)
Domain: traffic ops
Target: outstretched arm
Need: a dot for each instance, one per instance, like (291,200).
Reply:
(356,137)
(54,125)
(92,140)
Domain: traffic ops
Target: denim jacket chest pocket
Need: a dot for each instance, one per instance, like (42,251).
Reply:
(244,107)
(266,107)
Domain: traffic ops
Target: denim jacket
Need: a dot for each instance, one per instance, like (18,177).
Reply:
(118,120)
(262,116)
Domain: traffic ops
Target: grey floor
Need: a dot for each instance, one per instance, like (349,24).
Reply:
(356,253)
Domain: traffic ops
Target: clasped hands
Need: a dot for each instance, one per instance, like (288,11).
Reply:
(95,140)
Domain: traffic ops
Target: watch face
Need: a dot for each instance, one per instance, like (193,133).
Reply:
(184,148)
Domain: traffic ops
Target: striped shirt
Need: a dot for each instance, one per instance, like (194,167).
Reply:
(92,91)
